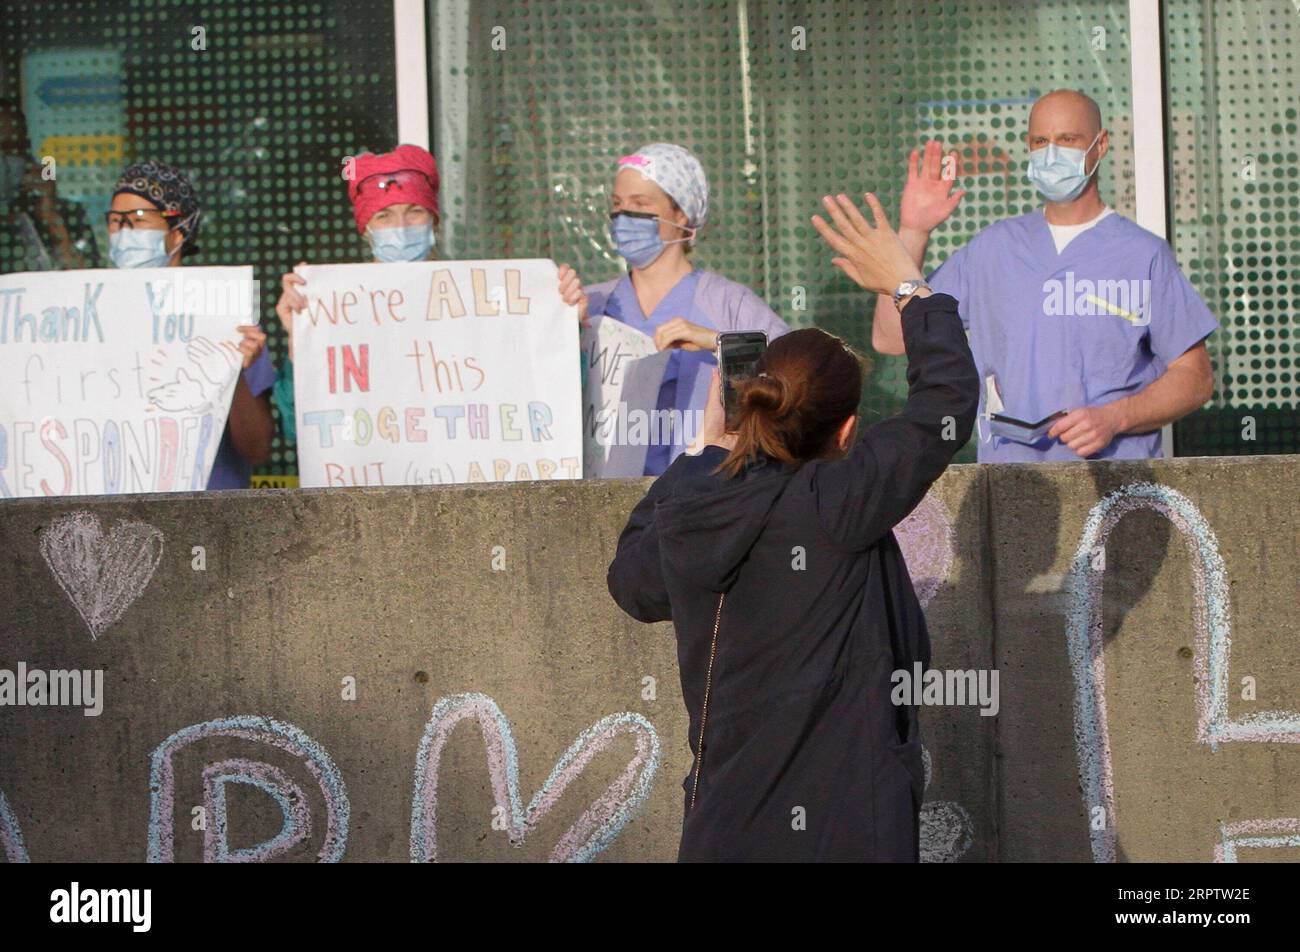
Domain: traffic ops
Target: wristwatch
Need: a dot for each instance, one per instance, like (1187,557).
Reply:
(907,289)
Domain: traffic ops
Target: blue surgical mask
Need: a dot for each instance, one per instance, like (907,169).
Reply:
(636,235)
(403,243)
(1060,174)
(139,248)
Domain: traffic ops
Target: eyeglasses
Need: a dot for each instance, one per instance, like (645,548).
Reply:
(149,217)
(382,183)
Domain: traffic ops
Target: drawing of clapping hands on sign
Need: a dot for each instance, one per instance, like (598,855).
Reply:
(198,384)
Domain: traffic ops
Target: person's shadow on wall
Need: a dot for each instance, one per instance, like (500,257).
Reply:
(1128,578)
(1028,551)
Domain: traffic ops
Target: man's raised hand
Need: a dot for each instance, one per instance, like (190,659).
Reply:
(928,198)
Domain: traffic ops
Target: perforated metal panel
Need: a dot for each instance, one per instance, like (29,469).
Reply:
(260,117)
(1232,79)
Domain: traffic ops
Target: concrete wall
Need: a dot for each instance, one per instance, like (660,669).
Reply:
(489,603)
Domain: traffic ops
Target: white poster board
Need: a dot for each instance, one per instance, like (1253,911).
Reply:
(117,381)
(624,373)
(436,372)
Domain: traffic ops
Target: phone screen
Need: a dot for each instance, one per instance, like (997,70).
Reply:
(738,356)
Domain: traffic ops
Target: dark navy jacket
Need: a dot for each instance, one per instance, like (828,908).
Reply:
(804,757)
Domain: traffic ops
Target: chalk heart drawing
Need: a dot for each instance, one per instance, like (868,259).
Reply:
(1213,644)
(599,824)
(946,828)
(926,538)
(101,574)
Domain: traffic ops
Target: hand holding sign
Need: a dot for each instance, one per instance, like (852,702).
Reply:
(571,292)
(251,347)
(681,333)
(292,301)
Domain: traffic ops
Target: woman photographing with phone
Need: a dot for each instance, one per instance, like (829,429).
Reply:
(772,551)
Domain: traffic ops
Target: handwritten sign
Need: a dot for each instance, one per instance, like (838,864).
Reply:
(436,372)
(117,381)
(624,373)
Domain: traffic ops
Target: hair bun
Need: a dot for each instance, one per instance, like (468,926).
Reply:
(764,393)
(793,411)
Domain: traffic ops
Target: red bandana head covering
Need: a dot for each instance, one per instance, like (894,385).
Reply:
(419,190)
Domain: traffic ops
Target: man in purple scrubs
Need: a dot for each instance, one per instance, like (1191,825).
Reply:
(660,200)
(1072,307)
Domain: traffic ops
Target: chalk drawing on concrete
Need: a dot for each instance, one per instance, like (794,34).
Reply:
(1244,834)
(1213,643)
(926,538)
(272,781)
(599,824)
(11,834)
(101,574)
(947,830)
(162,790)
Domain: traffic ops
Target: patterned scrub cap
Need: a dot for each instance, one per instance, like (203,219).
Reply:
(678,173)
(170,191)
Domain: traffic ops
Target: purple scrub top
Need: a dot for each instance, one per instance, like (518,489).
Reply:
(1097,322)
(703,298)
(230,470)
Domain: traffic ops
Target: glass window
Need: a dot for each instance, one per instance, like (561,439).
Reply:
(1232,77)
(258,103)
(782,103)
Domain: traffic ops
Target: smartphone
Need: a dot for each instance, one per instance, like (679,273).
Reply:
(738,354)
(1033,431)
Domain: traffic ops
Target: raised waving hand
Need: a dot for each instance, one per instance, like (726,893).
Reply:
(928,196)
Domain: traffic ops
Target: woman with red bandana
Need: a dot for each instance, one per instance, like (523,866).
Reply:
(395,203)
